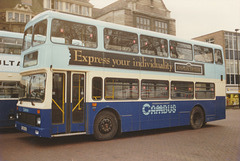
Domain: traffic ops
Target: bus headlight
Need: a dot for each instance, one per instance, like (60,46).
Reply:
(38,121)
(17,115)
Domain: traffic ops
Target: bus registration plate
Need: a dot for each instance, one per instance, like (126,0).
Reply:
(23,128)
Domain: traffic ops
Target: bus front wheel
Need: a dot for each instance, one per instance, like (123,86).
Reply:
(105,126)
(197,118)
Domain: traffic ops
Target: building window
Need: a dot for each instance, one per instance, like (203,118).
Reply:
(17,17)
(143,23)
(72,8)
(85,11)
(47,4)
(10,16)
(228,78)
(161,27)
(76,9)
(79,10)
(60,5)
(55,4)
(21,17)
(210,40)
(27,18)
(67,6)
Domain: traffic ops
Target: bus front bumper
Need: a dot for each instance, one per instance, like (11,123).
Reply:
(33,130)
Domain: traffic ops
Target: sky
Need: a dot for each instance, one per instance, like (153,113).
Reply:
(198,17)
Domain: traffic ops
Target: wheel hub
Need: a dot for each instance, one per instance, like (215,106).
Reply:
(105,126)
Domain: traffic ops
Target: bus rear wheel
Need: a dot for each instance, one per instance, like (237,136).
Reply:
(105,126)
(197,118)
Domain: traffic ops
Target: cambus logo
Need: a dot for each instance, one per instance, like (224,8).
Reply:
(158,109)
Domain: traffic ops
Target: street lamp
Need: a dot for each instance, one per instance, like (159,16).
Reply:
(236,30)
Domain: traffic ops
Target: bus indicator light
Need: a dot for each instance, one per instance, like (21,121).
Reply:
(94,104)
(38,111)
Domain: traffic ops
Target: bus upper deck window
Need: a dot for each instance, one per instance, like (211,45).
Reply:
(153,46)
(181,50)
(218,56)
(203,54)
(71,33)
(39,35)
(27,41)
(120,40)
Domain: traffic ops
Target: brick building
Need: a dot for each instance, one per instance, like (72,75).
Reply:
(228,41)
(146,14)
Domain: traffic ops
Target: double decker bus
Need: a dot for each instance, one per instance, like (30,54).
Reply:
(10,50)
(83,76)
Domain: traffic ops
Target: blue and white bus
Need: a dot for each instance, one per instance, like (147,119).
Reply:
(83,76)
(10,50)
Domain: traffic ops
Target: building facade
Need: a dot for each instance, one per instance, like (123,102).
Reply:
(145,14)
(230,41)
(15,14)
(76,7)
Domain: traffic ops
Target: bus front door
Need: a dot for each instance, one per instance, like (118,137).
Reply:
(77,103)
(68,93)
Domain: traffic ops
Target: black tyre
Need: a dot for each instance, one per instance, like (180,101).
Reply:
(105,126)
(197,118)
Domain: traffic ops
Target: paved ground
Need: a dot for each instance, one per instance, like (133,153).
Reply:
(218,141)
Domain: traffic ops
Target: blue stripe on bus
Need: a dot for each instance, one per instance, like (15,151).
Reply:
(134,115)
(157,114)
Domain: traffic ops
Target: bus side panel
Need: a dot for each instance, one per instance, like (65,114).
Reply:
(127,111)
(7,109)
(137,116)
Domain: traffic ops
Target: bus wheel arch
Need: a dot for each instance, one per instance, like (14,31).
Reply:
(197,117)
(107,124)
